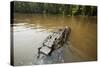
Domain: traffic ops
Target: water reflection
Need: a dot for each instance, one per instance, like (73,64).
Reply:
(27,39)
(30,30)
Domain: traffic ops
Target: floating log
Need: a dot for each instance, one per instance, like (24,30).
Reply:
(54,41)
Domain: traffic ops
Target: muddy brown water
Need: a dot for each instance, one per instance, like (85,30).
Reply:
(29,31)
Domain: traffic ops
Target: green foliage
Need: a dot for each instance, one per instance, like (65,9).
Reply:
(48,8)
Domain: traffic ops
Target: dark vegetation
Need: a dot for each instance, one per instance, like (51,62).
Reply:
(50,8)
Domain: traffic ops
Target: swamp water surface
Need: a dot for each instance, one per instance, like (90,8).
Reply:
(30,30)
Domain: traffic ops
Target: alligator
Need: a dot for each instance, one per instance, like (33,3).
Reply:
(54,41)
